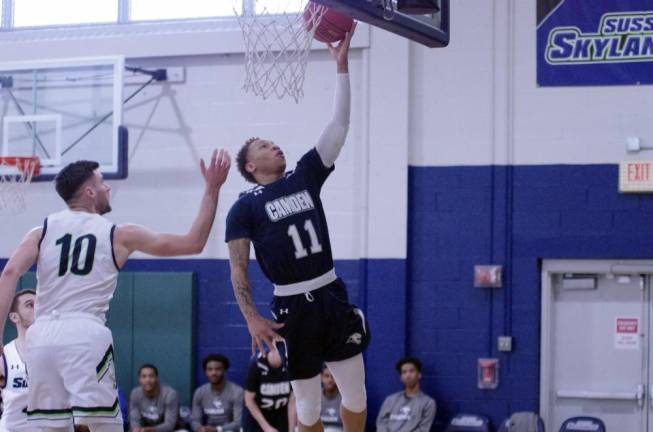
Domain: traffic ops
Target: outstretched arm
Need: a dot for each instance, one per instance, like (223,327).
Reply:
(130,238)
(22,259)
(261,329)
(334,135)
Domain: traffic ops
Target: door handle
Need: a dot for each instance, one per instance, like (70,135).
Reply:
(640,395)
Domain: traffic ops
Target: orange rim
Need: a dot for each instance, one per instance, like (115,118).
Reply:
(23,163)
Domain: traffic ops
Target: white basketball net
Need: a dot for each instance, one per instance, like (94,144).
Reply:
(277,43)
(14,183)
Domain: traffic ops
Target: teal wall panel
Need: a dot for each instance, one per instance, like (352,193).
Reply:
(164,310)
(120,321)
(152,319)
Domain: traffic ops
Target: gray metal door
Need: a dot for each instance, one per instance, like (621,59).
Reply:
(598,350)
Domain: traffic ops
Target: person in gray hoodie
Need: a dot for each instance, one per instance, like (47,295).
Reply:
(410,410)
(218,404)
(153,407)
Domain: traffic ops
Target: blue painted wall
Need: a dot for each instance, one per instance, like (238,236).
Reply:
(377,286)
(514,216)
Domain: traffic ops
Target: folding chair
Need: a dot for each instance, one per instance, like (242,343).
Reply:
(468,423)
(522,422)
(584,424)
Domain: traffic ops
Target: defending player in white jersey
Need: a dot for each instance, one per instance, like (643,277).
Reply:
(14,393)
(78,254)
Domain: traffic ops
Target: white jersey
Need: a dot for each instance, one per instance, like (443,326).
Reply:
(76,267)
(14,394)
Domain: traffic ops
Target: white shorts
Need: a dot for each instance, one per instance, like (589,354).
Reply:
(71,371)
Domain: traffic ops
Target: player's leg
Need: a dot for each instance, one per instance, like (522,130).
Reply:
(308,396)
(90,377)
(349,375)
(348,337)
(48,402)
(302,349)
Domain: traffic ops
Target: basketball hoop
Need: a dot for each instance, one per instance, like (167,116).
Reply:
(16,174)
(277,44)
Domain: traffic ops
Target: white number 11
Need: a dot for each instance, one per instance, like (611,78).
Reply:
(300,250)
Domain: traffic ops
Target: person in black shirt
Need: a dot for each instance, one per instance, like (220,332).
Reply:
(283,217)
(268,396)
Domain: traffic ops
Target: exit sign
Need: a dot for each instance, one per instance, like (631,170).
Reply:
(636,176)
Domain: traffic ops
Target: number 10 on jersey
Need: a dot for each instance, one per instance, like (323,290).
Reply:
(78,268)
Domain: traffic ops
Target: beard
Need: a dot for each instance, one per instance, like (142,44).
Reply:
(105,209)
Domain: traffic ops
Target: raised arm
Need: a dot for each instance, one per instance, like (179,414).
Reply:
(23,258)
(334,135)
(262,330)
(130,238)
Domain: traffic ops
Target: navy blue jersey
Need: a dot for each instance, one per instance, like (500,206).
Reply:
(271,385)
(285,221)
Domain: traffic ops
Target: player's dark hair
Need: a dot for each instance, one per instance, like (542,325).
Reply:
(148,366)
(216,357)
(241,160)
(409,360)
(73,176)
(16,301)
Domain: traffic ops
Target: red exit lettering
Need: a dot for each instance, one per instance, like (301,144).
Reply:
(639,172)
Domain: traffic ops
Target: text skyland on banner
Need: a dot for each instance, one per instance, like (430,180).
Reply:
(602,43)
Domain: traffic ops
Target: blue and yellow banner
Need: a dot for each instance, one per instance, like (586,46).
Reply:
(589,42)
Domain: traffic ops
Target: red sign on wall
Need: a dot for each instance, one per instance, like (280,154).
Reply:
(627,333)
(627,325)
(636,176)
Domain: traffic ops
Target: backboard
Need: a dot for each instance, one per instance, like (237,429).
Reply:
(430,30)
(62,111)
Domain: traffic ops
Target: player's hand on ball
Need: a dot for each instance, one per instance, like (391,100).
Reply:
(340,52)
(215,174)
(263,331)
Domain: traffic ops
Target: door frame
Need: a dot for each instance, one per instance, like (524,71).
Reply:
(552,267)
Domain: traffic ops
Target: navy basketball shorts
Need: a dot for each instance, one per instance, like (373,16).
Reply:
(320,326)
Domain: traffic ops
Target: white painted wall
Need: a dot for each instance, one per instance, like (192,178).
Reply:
(477,101)
(473,103)
(173,125)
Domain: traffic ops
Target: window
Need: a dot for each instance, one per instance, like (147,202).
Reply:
(277,6)
(150,10)
(35,13)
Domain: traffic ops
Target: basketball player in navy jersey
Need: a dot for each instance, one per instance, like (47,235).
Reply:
(283,217)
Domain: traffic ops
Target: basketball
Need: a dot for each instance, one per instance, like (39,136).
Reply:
(332,28)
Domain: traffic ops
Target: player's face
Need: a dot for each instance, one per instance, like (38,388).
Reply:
(328,383)
(264,156)
(214,372)
(410,376)
(102,194)
(24,315)
(148,380)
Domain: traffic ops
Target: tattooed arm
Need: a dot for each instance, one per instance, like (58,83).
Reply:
(261,329)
